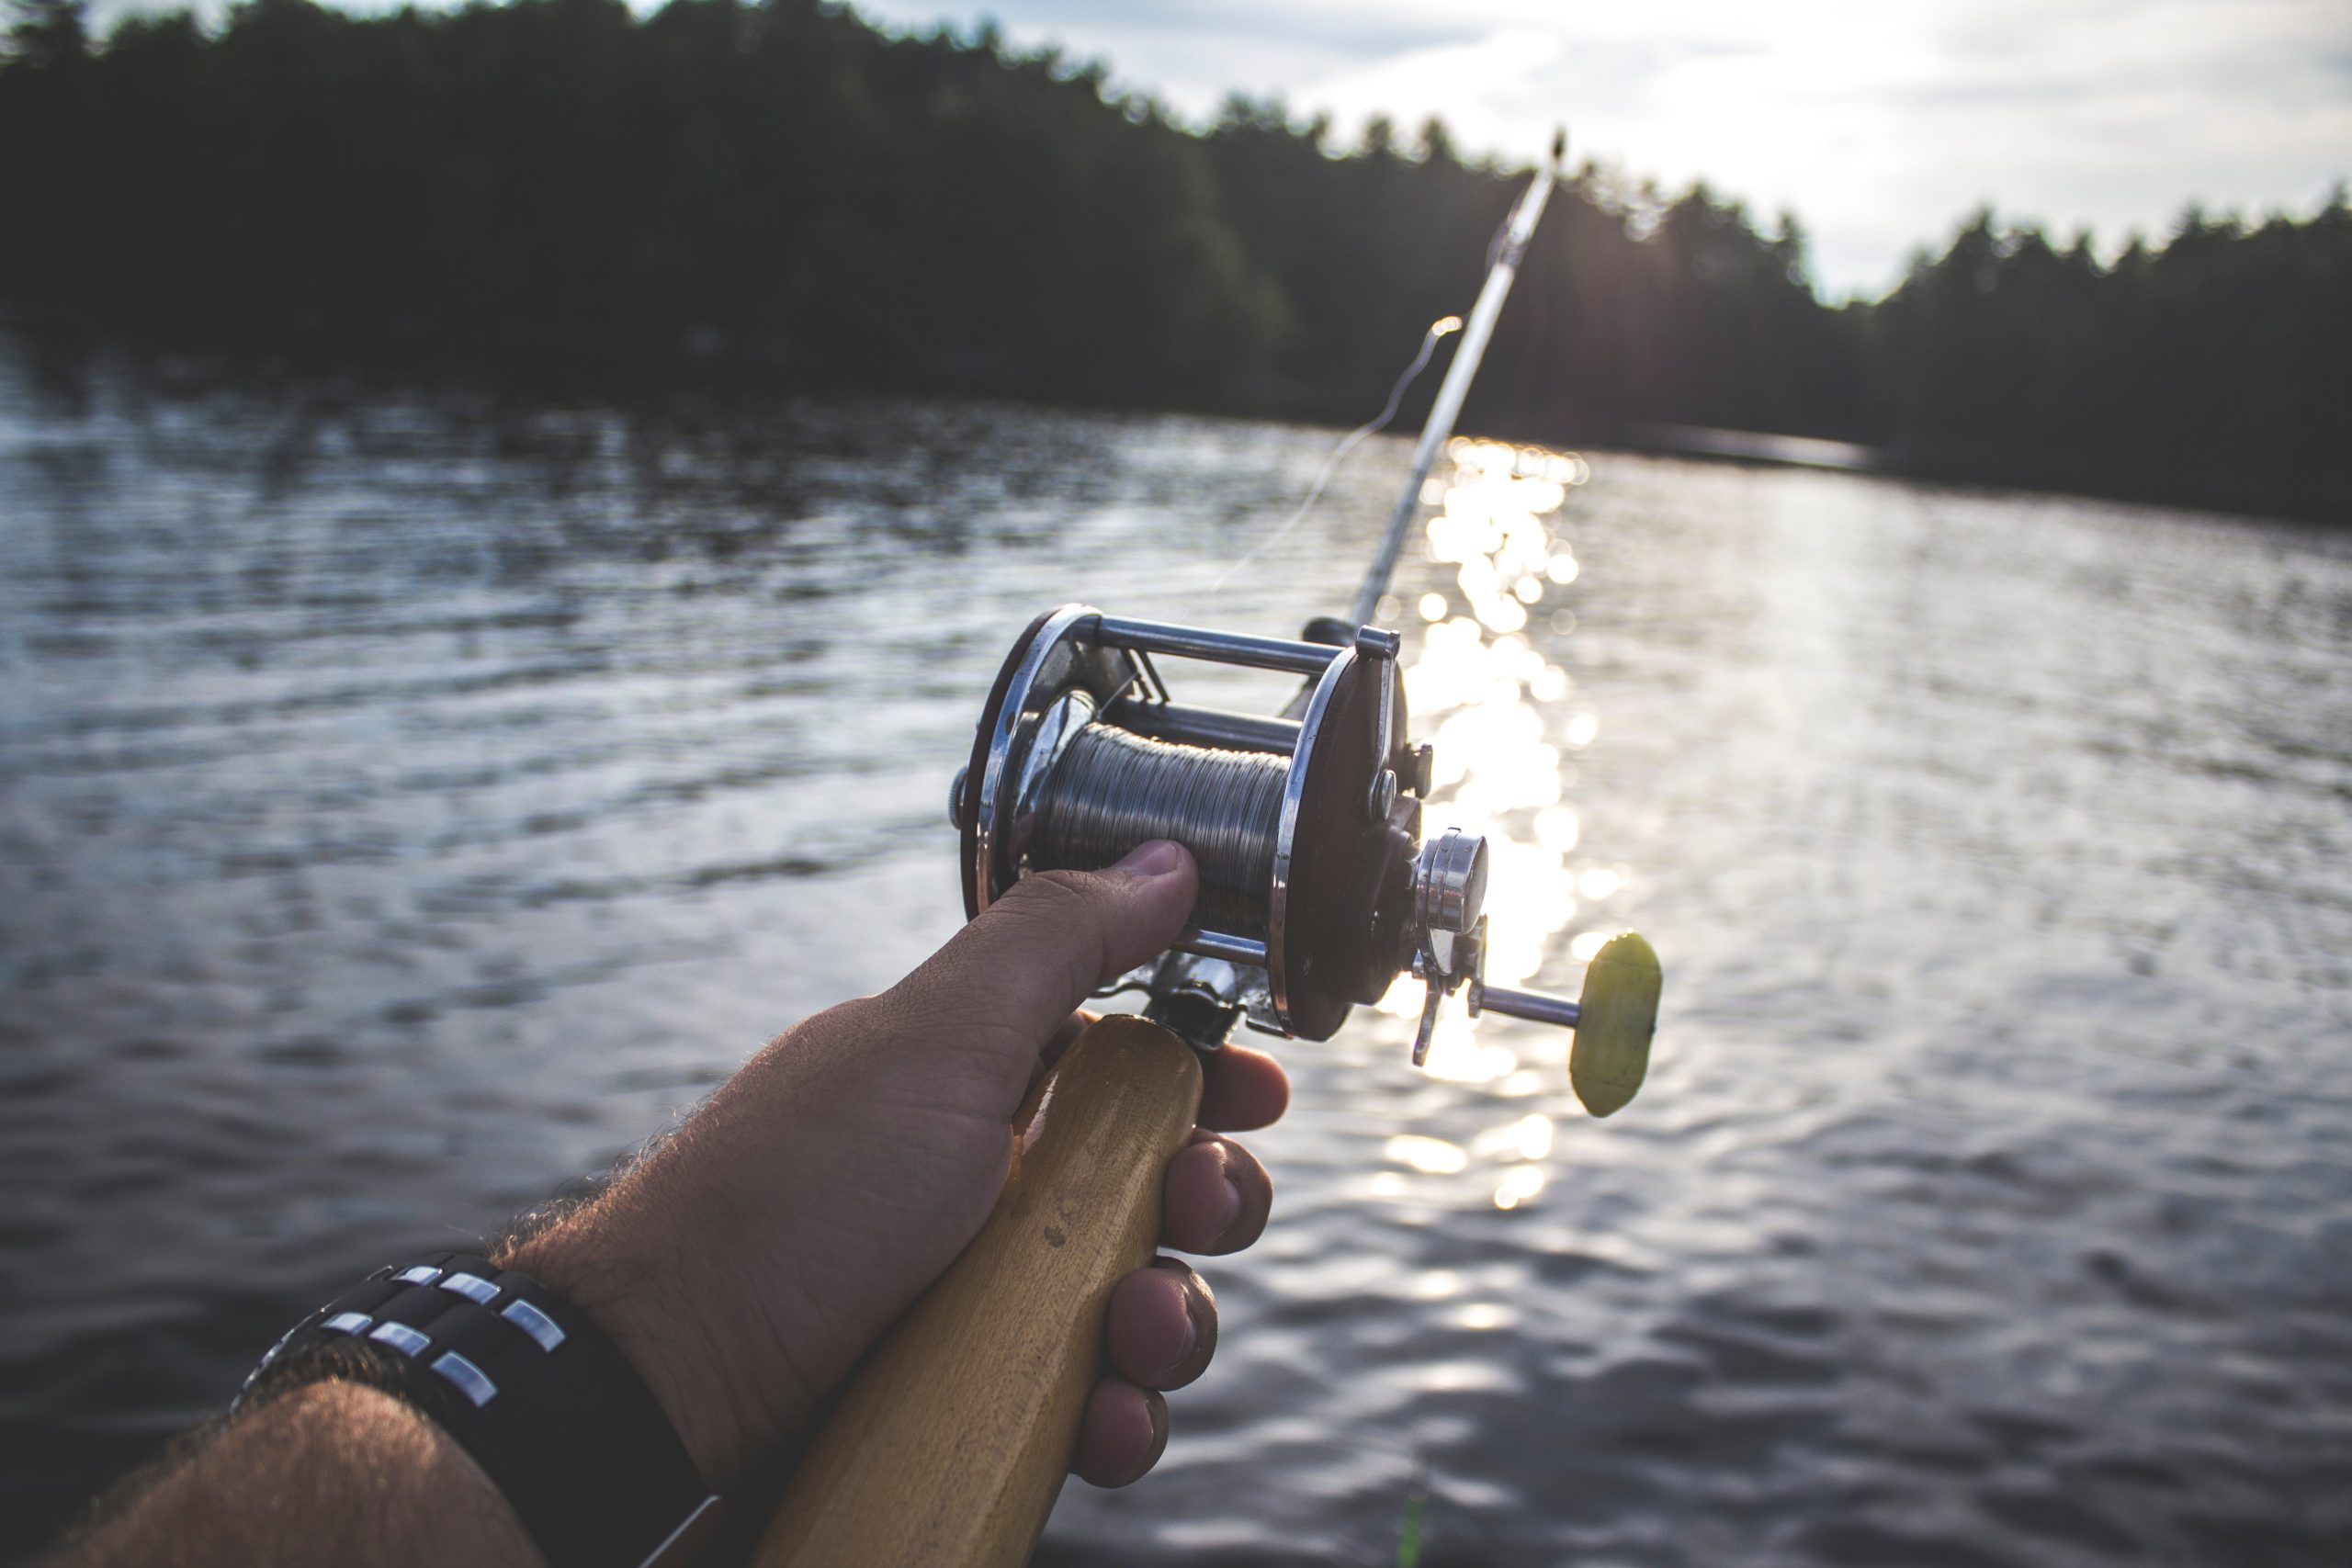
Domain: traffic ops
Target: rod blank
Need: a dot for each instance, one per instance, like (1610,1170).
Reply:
(1519,229)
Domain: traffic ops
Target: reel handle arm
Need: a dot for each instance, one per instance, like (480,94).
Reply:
(1534,1007)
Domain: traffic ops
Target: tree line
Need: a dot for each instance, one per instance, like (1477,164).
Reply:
(781,189)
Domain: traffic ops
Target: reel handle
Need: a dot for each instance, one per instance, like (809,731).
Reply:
(956,1430)
(1614,1019)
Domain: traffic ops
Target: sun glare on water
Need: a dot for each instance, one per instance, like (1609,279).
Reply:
(1505,721)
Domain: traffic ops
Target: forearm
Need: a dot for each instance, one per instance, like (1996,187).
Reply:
(744,1266)
(340,1472)
(328,1473)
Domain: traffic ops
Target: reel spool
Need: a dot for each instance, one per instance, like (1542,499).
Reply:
(1317,889)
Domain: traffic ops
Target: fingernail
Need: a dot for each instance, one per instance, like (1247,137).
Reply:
(1157,858)
(1231,1210)
(1158,1408)
(1191,1341)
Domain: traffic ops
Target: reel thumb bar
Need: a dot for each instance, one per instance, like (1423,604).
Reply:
(957,1430)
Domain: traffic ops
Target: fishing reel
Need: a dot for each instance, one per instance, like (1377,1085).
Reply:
(1317,889)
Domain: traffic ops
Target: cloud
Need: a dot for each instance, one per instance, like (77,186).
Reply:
(1880,125)
(1334,32)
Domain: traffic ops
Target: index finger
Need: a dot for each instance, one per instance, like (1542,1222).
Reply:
(1242,1088)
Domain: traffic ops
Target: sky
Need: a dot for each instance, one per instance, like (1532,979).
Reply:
(1879,124)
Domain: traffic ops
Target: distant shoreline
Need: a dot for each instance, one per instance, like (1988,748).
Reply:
(2310,503)
(1755,447)
(641,369)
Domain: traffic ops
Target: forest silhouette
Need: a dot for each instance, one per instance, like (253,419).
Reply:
(782,190)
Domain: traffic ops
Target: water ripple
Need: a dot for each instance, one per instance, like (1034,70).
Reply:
(408,798)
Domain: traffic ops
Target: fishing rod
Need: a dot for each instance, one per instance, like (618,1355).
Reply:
(1502,268)
(1317,891)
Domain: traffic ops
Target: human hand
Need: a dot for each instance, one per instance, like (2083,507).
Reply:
(747,1264)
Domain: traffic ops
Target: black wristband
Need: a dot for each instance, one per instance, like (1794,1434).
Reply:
(551,1412)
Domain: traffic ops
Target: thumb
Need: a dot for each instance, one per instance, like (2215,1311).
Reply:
(1019,969)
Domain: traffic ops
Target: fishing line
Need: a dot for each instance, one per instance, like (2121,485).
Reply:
(1112,791)
(1438,329)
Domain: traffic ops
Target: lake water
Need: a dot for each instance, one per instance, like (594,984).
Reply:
(409,798)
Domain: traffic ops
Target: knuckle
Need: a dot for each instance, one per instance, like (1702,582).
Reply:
(1047,893)
(1059,909)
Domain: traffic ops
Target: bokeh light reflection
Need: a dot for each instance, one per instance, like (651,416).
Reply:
(1518,1184)
(1498,711)
(1432,1157)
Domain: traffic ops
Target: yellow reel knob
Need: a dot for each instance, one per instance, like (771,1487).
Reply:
(1616,1015)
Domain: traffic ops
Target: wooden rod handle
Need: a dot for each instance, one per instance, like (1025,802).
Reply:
(951,1443)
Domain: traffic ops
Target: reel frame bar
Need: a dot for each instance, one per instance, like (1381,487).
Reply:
(1213,647)
(1218,945)
(1205,727)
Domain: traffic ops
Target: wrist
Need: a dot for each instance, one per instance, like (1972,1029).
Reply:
(533,1390)
(671,1314)
(743,1268)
